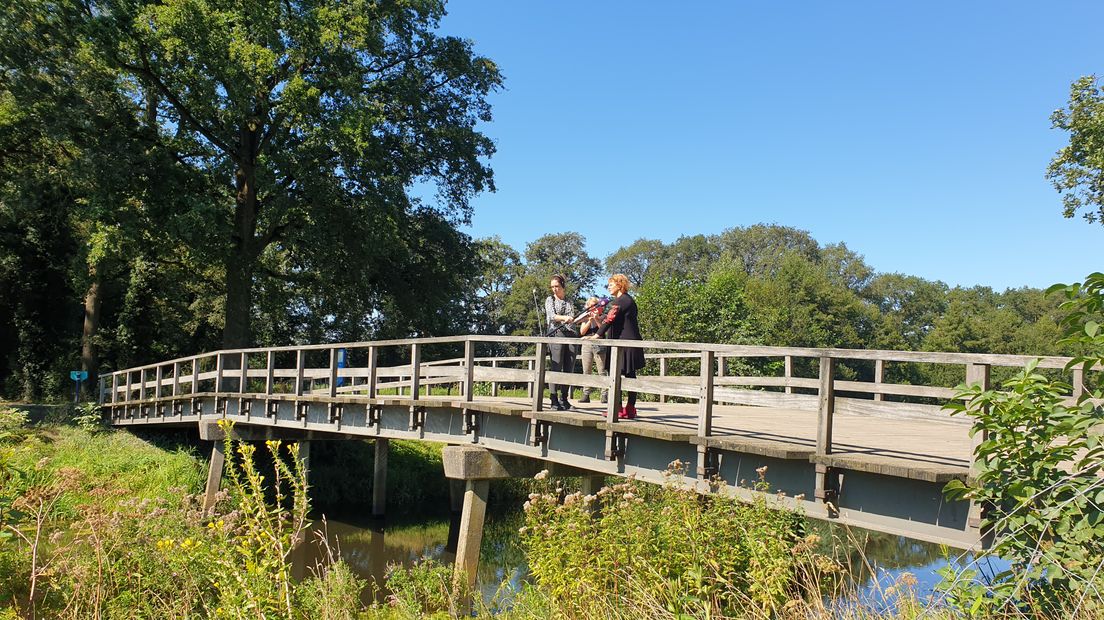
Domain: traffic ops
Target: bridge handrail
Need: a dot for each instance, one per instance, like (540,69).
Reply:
(231,374)
(733,350)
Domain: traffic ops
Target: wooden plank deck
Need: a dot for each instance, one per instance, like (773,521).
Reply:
(921,449)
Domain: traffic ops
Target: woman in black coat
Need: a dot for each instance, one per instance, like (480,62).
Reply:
(620,322)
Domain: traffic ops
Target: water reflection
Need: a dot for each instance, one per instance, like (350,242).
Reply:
(370,546)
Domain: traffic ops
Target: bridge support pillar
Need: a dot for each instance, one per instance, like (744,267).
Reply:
(214,474)
(476,467)
(379,477)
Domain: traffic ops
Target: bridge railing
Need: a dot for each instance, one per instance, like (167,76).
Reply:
(826,381)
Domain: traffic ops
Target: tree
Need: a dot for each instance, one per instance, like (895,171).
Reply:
(910,306)
(688,258)
(634,260)
(1077,170)
(759,249)
(502,267)
(557,253)
(312,121)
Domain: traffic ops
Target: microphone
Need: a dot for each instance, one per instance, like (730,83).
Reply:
(598,305)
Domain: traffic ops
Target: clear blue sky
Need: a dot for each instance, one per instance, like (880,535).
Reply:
(917,133)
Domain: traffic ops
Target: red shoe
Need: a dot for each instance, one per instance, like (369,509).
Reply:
(628,413)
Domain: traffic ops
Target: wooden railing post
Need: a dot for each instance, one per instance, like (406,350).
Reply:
(114,387)
(826,407)
(720,366)
(142,384)
(879,377)
(300,365)
(333,372)
(415,369)
(176,379)
(1078,383)
(537,386)
(614,384)
(195,375)
(532,367)
(976,374)
(373,368)
(787,363)
(243,386)
(159,374)
(219,366)
(706,468)
(826,489)
(270,371)
(469,370)
(663,373)
(494,384)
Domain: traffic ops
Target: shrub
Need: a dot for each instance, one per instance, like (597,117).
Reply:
(1039,474)
(636,546)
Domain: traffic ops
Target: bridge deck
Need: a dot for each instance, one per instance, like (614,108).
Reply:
(921,449)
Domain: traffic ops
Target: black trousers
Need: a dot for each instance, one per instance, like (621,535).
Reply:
(564,362)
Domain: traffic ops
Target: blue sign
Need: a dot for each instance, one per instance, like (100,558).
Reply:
(78,375)
(342,355)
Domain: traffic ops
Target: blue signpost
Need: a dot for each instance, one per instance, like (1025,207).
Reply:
(77,376)
(342,354)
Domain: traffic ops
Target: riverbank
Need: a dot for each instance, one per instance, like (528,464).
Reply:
(104,523)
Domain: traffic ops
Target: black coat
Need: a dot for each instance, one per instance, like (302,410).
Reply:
(620,323)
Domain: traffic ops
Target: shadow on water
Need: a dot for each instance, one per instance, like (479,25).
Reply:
(371,546)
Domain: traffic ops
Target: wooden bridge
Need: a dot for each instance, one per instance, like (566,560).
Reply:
(839,442)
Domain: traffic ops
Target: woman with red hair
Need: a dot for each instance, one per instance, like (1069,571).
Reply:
(620,322)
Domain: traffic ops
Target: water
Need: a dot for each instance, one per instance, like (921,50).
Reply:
(879,561)
(369,547)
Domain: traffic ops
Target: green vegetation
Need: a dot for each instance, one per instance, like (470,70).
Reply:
(638,547)
(103,524)
(1038,478)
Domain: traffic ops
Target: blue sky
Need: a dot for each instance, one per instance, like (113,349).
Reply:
(917,133)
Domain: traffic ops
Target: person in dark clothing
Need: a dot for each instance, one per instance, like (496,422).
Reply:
(620,322)
(561,315)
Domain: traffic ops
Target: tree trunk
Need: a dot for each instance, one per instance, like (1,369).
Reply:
(244,250)
(236,332)
(90,354)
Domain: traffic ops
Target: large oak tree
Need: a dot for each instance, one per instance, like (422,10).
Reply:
(320,124)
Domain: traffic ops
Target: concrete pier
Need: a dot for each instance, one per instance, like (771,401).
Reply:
(379,477)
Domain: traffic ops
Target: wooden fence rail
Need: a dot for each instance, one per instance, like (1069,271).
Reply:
(315,370)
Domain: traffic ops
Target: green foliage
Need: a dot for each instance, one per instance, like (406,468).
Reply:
(713,311)
(1077,170)
(1039,464)
(633,545)
(426,589)
(89,418)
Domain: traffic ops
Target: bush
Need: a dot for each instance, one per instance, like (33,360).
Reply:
(643,548)
(1039,475)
